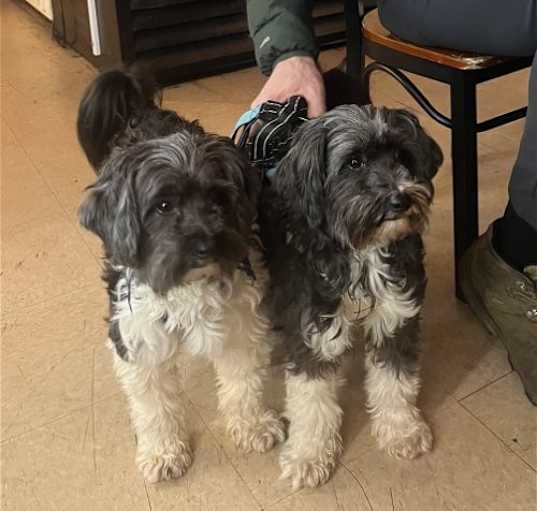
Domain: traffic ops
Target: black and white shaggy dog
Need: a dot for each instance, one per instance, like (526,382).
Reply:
(174,207)
(341,225)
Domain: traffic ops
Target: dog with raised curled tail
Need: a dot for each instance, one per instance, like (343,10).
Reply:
(174,207)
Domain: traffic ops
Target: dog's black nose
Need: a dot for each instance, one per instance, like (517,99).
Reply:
(202,249)
(399,202)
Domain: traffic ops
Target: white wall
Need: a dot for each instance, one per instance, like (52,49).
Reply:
(43,6)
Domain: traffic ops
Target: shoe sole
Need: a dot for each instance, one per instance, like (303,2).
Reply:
(472,297)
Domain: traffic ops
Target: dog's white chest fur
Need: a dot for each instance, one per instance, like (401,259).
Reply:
(198,316)
(379,308)
(356,305)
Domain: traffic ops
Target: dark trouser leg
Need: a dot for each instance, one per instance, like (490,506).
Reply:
(515,234)
(523,185)
(512,232)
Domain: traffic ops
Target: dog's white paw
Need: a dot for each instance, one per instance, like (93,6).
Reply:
(162,464)
(306,473)
(309,473)
(404,441)
(259,435)
(310,470)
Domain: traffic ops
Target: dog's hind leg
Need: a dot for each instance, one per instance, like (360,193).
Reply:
(392,385)
(241,370)
(310,455)
(158,417)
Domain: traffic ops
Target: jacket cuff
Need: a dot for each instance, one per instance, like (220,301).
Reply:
(288,39)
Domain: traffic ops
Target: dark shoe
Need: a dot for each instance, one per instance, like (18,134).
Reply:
(505,301)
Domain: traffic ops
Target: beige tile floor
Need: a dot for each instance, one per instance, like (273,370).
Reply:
(66,442)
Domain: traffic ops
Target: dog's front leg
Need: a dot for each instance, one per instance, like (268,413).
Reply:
(392,386)
(158,418)
(311,452)
(241,370)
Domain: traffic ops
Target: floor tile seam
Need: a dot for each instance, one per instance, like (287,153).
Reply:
(43,426)
(497,436)
(484,386)
(281,499)
(20,227)
(148,498)
(27,308)
(215,440)
(357,479)
(66,215)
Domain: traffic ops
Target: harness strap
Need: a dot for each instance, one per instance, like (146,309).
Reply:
(265,132)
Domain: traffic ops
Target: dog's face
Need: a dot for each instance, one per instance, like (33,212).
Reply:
(175,209)
(362,174)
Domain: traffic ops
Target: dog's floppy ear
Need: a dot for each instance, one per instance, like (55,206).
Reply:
(246,178)
(253,180)
(301,175)
(426,152)
(110,211)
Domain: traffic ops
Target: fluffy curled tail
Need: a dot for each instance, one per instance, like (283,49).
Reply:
(110,101)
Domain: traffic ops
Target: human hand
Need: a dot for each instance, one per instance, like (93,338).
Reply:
(295,76)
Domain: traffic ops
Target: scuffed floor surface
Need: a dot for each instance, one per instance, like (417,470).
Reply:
(66,441)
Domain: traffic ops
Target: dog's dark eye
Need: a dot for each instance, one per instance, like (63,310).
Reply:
(164,207)
(358,163)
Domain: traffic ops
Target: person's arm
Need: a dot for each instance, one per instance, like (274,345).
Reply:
(281,29)
(286,49)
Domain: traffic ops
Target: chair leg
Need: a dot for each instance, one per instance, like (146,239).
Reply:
(354,62)
(464,160)
(353,25)
(365,86)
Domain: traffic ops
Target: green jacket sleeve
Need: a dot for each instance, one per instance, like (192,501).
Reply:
(281,29)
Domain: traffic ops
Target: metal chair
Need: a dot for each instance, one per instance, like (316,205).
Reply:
(462,71)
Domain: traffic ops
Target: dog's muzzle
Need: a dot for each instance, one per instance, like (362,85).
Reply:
(397,205)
